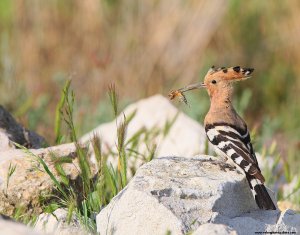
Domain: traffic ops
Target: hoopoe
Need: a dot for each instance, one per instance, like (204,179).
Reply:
(227,131)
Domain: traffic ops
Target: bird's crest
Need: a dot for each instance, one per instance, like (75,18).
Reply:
(230,74)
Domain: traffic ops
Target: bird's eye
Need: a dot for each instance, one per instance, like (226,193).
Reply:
(213,81)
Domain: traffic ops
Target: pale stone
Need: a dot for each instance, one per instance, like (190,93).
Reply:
(9,227)
(5,143)
(127,216)
(214,229)
(185,137)
(190,191)
(30,180)
(57,225)
(290,218)
(181,195)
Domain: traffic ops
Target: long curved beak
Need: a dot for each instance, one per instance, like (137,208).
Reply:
(192,87)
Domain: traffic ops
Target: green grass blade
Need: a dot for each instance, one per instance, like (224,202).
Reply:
(58,113)
(45,167)
(113,98)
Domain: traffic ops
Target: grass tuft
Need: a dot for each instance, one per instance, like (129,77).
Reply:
(99,181)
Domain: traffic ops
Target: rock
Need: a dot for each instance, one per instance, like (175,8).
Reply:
(263,221)
(5,143)
(50,224)
(176,194)
(10,130)
(29,181)
(180,195)
(289,218)
(8,227)
(214,229)
(185,137)
(248,223)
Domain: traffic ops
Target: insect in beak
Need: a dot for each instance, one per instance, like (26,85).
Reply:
(179,92)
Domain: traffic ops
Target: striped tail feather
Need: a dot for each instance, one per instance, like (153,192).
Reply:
(260,193)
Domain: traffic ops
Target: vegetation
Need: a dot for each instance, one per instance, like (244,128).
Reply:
(251,33)
(144,51)
(97,183)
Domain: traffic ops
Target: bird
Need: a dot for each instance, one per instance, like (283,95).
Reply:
(227,131)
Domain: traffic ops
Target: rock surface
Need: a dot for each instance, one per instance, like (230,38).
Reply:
(8,227)
(10,131)
(185,137)
(57,225)
(214,229)
(29,180)
(179,194)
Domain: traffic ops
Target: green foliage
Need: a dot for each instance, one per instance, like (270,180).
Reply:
(58,113)
(169,124)
(45,167)
(122,161)
(252,33)
(295,190)
(67,112)
(113,98)
(21,215)
(5,12)
(10,172)
(97,183)
(168,232)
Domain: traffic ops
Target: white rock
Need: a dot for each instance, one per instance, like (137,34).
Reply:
(176,194)
(289,218)
(214,229)
(127,216)
(180,195)
(5,143)
(186,136)
(263,221)
(8,227)
(250,222)
(27,182)
(57,225)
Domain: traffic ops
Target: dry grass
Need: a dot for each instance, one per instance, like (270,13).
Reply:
(136,45)
(145,48)
(152,46)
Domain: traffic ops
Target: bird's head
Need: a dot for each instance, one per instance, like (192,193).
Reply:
(219,81)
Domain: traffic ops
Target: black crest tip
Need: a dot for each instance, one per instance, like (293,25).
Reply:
(247,71)
(237,69)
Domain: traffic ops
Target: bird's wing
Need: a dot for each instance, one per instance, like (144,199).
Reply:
(236,144)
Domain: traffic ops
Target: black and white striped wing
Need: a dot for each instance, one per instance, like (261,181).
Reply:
(235,144)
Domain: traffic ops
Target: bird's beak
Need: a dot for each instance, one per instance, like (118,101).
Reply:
(192,87)
(179,93)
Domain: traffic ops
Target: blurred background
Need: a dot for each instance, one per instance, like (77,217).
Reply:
(148,47)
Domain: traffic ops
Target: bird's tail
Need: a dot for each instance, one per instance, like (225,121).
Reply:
(260,193)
